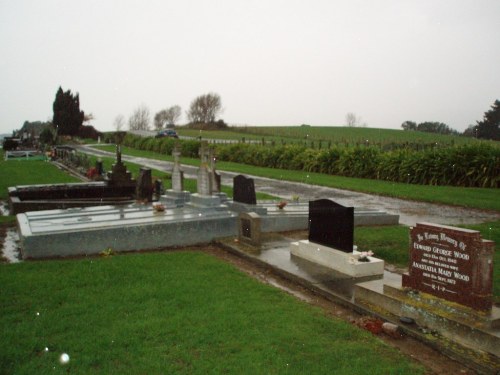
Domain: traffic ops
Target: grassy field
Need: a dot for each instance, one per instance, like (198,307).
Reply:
(481,198)
(335,134)
(181,312)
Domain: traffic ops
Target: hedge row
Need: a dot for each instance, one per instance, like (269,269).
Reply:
(189,148)
(468,165)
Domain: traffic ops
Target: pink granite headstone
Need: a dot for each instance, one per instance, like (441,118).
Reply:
(451,263)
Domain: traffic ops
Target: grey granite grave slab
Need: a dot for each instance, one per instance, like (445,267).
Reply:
(91,230)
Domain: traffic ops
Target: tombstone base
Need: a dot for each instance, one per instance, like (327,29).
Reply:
(471,328)
(244,207)
(337,260)
(222,197)
(179,198)
(199,200)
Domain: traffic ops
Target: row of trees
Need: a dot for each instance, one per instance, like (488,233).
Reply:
(68,119)
(429,127)
(487,128)
(204,109)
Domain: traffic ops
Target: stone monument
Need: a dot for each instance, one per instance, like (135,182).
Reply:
(244,190)
(144,188)
(448,288)
(330,243)
(249,228)
(177,173)
(204,196)
(215,179)
(451,263)
(177,194)
(331,224)
(204,182)
(119,176)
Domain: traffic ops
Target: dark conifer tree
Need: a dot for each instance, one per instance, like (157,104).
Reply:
(67,115)
(489,127)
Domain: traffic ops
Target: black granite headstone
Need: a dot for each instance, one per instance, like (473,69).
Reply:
(331,224)
(144,187)
(99,167)
(244,190)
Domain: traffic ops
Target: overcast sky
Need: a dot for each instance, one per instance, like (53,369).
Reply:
(272,62)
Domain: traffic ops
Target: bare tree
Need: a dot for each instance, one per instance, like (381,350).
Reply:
(173,114)
(205,108)
(88,118)
(119,122)
(139,120)
(167,116)
(352,120)
(160,119)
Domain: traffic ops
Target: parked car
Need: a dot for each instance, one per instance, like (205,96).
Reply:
(167,133)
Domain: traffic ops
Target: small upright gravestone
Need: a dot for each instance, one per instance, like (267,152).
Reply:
(144,189)
(244,190)
(250,228)
(177,174)
(204,196)
(330,243)
(204,181)
(99,167)
(177,195)
(215,180)
(331,224)
(451,263)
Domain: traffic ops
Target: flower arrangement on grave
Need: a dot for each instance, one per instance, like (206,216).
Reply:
(92,173)
(282,204)
(107,252)
(362,256)
(158,207)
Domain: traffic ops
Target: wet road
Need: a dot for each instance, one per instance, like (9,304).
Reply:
(410,212)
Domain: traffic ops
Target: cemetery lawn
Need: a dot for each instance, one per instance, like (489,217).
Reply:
(172,312)
(15,172)
(480,198)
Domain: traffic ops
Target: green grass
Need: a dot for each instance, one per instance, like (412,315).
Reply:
(10,219)
(391,243)
(487,199)
(13,173)
(180,312)
(335,134)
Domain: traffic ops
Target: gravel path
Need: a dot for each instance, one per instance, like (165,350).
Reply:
(410,212)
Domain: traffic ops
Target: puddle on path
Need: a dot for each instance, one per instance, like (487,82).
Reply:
(10,246)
